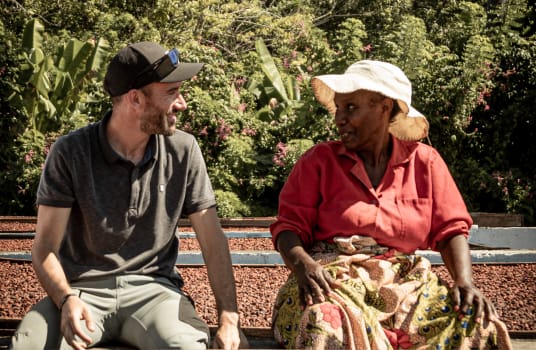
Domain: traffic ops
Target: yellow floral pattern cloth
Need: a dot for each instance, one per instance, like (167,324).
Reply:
(387,300)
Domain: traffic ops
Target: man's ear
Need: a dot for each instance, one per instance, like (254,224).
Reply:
(135,98)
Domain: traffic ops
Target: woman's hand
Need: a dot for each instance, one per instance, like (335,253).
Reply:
(467,295)
(313,280)
(457,258)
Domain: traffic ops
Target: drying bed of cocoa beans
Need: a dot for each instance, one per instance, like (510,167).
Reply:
(512,287)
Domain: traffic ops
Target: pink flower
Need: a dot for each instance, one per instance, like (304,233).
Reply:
(187,127)
(241,107)
(223,130)
(28,156)
(279,157)
(282,148)
(278,161)
(203,132)
(240,81)
(285,63)
(332,315)
(249,132)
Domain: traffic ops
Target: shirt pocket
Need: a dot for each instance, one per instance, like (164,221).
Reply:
(415,215)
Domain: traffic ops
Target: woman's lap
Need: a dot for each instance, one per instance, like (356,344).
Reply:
(396,301)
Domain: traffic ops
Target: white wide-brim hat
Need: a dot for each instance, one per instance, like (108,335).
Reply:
(381,77)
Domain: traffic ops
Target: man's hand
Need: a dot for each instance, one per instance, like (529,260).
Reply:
(229,337)
(72,311)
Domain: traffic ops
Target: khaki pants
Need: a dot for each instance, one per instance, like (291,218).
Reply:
(141,311)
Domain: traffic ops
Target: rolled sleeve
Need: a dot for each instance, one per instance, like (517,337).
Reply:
(56,182)
(449,213)
(298,201)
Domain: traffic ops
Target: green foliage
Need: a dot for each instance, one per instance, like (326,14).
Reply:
(288,154)
(50,88)
(251,107)
(349,43)
(12,123)
(463,20)
(505,129)
(48,94)
(229,205)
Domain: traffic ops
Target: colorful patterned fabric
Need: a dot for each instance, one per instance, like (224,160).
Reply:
(386,301)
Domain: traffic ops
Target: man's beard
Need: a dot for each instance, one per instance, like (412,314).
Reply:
(154,121)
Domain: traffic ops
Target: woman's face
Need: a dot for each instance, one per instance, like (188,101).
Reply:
(362,118)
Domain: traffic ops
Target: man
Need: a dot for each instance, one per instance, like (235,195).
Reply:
(110,197)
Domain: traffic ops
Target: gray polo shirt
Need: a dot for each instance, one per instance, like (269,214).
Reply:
(124,216)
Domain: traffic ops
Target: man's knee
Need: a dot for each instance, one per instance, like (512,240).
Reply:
(172,323)
(25,339)
(175,336)
(39,329)
(193,341)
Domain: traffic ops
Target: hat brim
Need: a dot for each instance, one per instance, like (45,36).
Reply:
(408,125)
(184,71)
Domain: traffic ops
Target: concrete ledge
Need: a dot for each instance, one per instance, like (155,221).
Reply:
(504,237)
(272,258)
(485,237)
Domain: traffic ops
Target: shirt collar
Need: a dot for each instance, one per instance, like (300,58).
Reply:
(110,155)
(402,151)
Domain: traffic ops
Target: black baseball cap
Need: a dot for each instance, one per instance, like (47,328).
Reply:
(143,63)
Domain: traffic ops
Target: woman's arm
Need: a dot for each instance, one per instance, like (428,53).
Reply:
(313,280)
(457,258)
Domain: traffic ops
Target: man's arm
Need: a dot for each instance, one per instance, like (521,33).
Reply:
(217,258)
(50,230)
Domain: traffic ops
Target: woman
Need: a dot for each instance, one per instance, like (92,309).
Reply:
(351,216)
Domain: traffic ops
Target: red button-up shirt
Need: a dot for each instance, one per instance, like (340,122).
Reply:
(329,194)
